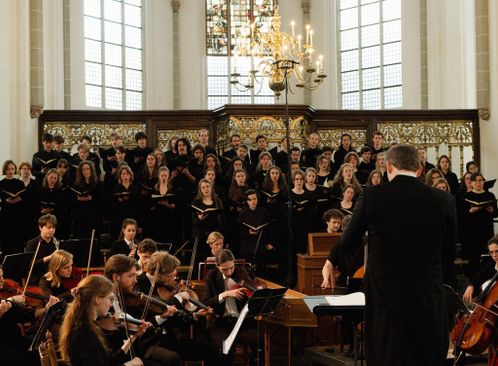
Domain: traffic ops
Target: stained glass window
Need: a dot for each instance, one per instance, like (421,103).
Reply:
(370,54)
(113,54)
(225,20)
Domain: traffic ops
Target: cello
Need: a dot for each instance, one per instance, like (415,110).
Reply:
(472,332)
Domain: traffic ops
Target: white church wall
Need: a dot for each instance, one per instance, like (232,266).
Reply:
(489,129)
(158,55)
(19,131)
(451,54)
(192,55)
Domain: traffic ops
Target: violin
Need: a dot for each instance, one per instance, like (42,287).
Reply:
(112,323)
(473,332)
(34,296)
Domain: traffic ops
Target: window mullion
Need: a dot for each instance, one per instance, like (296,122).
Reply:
(123,68)
(102,58)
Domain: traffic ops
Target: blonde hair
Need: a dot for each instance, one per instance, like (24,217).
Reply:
(81,310)
(60,258)
(163,262)
(215,235)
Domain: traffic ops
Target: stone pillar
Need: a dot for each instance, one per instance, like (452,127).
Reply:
(424,94)
(67,54)
(482,58)
(306,5)
(175,4)
(36,56)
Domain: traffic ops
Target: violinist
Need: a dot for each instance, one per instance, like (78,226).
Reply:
(82,341)
(146,248)
(48,244)
(227,300)
(13,346)
(122,271)
(126,241)
(476,283)
(162,272)
(60,267)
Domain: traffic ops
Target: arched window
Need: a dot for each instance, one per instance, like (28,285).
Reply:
(113,54)
(225,21)
(369,41)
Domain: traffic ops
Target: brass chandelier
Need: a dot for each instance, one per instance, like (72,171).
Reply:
(278,57)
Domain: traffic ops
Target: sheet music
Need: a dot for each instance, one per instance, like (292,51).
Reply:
(227,343)
(354,299)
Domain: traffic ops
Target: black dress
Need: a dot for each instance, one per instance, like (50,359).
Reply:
(214,221)
(162,223)
(86,215)
(123,203)
(255,230)
(477,227)
(14,213)
(302,206)
(85,349)
(55,200)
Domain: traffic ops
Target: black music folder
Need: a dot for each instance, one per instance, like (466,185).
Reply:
(16,266)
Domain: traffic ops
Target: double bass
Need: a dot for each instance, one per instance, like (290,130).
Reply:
(473,332)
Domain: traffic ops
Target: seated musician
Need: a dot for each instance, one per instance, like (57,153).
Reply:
(60,267)
(478,282)
(166,349)
(13,346)
(82,341)
(48,244)
(145,249)
(333,219)
(227,299)
(126,241)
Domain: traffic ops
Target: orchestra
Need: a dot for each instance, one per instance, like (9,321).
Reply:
(237,207)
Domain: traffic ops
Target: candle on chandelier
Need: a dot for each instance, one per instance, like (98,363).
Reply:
(320,58)
(311,37)
(293,23)
(299,43)
(308,33)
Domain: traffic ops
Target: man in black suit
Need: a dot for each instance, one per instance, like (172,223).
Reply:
(411,242)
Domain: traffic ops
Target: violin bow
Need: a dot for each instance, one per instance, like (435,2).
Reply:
(90,253)
(121,310)
(31,267)
(151,290)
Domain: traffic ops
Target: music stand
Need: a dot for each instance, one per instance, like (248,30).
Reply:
(263,301)
(47,320)
(354,309)
(16,266)
(164,247)
(80,248)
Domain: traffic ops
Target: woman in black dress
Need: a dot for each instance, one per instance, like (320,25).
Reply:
(234,203)
(343,177)
(86,202)
(162,223)
(324,174)
(13,212)
(51,199)
(346,204)
(207,215)
(444,164)
(320,198)
(479,209)
(262,169)
(124,200)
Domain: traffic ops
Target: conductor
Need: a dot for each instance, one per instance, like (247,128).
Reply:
(411,240)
